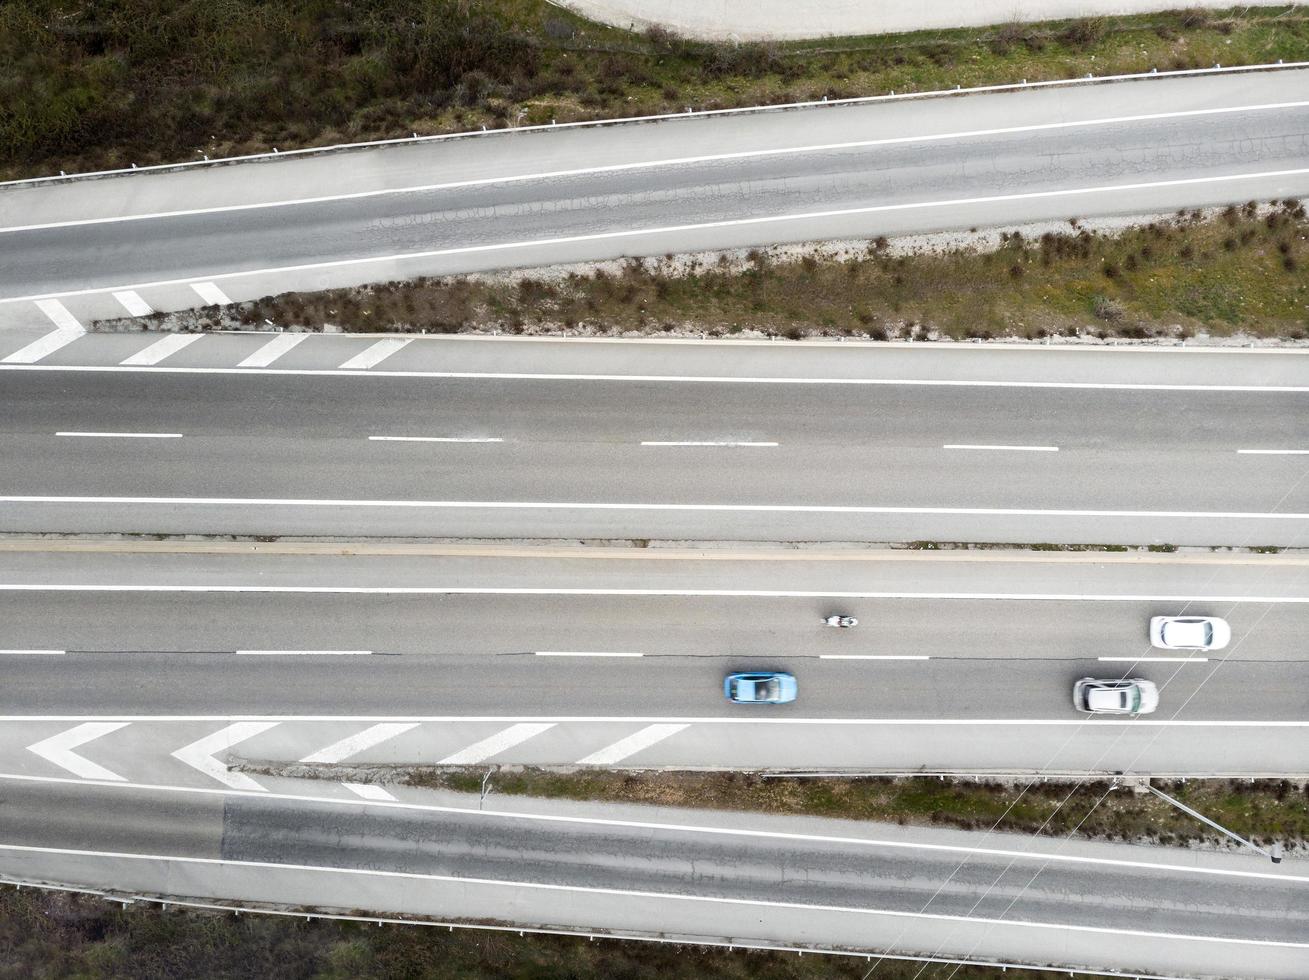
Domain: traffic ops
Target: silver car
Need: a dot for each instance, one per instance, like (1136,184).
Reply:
(1189,633)
(1123,696)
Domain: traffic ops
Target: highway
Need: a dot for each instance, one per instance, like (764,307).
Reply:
(740,878)
(564,441)
(504,655)
(551,196)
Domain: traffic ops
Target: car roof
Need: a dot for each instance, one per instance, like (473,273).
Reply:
(1189,631)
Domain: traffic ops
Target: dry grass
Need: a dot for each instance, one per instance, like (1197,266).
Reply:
(1242,271)
(100,85)
(1264,811)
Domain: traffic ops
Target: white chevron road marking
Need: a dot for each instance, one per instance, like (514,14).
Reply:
(200,753)
(497,743)
(630,745)
(59,749)
(356,743)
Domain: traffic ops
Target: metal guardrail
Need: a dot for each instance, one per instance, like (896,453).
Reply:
(1089,79)
(129,898)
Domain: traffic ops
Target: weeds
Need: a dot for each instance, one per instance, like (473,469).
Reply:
(146,81)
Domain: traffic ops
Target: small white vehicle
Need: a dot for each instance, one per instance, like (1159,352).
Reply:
(1124,696)
(1189,633)
(841,622)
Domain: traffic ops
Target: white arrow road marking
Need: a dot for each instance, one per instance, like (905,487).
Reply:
(497,743)
(630,745)
(356,743)
(370,792)
(200,754)
(59,749)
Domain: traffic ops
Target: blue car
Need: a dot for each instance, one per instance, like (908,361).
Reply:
(764,687)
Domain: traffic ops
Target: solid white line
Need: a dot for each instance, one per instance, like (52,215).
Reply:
(262,589)
(1153,660)
(304,653)
(356,743)
(852,842)
(59,316)
(1272,452)
(1018,449)
(58,749)
(678,379)
(1205,515)
(370,792)
(659,163)
(579,653)
(613,236)
(272,350)
(749,444)
(431,439)
(161,349)
(121,435)
(632,744)
(34,653)
(861,656)
(712,900)
(375,353)
(133,303)
(200,753)
(211,294)
(499,742)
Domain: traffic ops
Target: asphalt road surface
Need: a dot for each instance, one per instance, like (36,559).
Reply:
(539,198)
(1147,448)
(737,877)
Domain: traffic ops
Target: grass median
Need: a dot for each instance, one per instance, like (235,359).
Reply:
(1238,272)
(100,86)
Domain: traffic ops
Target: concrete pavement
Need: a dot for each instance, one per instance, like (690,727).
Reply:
(97,249)
(779,20)
(699,875)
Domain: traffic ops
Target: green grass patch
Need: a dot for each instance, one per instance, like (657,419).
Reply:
(53,935)
(102,85)
(1263,811)
(1239,272)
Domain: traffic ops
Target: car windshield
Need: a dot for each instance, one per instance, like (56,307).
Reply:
(768,690)
(1135,703)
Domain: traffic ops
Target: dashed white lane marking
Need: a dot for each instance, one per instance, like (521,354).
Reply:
(664,162)
(34,653)
(200,753)
(632,744)
(585,653)
(867,656)
(375,354)
(120,435)
(272,350)
(160,349)
(1014,449)
(433,439)
(211,294)
(1103,191)
(1153,660)
(370,792)
(1272,452)
(497,743)
(133,303)
(750,445)
(59,749)
(304,653)
(358,742)
(59,315)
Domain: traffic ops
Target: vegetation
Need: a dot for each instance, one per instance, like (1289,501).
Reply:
(1263,811)
(52,935)
(1241,271)
(106,84)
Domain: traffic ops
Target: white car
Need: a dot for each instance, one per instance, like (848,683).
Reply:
(1189,633)
(1125,696)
